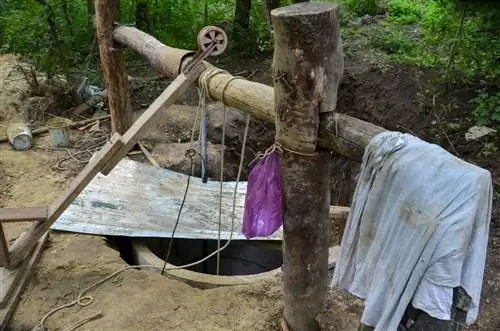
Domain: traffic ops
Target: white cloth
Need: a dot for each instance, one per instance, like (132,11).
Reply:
(418,227)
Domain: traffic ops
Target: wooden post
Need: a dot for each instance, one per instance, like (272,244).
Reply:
(107,14)
(306,42)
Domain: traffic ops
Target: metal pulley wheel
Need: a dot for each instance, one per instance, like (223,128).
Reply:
(210,35)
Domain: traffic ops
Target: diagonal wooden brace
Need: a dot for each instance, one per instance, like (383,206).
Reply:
(171,94)
(102,162)
(25,243)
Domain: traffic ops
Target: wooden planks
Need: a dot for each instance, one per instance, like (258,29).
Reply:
(14,281)
(23,214)
(4,248)
(168,97)
(140,200)
(28,239)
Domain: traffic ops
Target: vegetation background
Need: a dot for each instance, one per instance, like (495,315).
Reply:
(449,35)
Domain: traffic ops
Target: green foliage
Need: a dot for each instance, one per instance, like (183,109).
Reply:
(364,7)
(487,108)
(452,35)
(404,11)
(66,44)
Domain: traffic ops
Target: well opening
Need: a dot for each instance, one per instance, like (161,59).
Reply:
(240,258)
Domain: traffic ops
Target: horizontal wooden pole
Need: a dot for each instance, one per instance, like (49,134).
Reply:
(27,214)
(337,132)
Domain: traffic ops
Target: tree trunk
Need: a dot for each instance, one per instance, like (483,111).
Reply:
(306,39)
(241,23)
(64,9)
(269,5)
(107,12)
(143,15)
(56,47)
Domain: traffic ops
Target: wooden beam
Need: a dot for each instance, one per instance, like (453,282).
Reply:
(4,248)
(17,284)
(23,214)
(337,132)
(107,13)
(27,240)
(338,217)
(148,118)
(305,78)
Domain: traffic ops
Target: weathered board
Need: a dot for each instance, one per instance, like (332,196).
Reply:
(138,200)
(13,282)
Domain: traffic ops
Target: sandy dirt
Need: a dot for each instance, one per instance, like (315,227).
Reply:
(142,300)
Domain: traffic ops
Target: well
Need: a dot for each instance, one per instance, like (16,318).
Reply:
(242,262)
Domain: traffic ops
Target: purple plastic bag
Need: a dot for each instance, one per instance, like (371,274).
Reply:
(264,199)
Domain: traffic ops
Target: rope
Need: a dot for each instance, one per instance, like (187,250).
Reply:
(204,82)
(97,143)
(207,75)
(85,300)
(190,153)
(224,111)
(281,148)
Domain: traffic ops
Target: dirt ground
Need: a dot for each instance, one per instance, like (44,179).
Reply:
(398,98)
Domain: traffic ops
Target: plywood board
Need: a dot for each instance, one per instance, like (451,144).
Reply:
(138,200)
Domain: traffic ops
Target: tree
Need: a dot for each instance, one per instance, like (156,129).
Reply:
(241,22)
(143,15)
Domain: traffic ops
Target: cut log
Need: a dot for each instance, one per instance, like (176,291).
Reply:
(107,12)
(92,102)
(305,75)
(337,132)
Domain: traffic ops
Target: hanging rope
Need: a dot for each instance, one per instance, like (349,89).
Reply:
(190,154)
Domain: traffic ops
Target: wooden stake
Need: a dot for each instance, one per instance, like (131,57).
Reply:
(14,282)
(107,14)
(304,80)
(4,248)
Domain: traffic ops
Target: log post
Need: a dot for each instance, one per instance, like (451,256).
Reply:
(305,78)
(107,14)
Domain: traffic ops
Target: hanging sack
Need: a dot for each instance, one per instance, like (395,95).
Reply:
(264,199)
